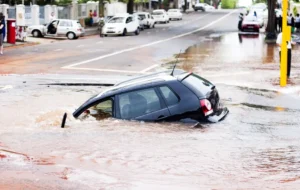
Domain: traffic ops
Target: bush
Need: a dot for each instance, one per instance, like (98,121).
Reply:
(295,11)
(87,21)
(229,4)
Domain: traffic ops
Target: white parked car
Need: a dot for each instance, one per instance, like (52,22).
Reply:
(160,15)
(71,29)
(121,25)
(174,14)
(259,18)
(147,20)
(203,7)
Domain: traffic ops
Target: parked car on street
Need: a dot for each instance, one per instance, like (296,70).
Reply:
(174,14)
(147,19)
(71,29)
(260,17)
(140,20)
(160,16)
(121,24)
(250,23)
(157,97)
(203,7)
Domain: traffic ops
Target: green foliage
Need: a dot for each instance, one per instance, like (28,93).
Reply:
(295,11)
(64,2)
(296,1)
(201,1)
(166,4)
(229,4)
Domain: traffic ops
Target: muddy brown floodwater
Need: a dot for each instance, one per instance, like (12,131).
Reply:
(256,147)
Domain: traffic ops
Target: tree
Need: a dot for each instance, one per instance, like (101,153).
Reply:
(130,5)
(270,30)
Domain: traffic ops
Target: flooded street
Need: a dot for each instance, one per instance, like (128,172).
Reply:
(255,147)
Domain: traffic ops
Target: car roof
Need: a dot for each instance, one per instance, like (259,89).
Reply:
(143,82)
(141,13)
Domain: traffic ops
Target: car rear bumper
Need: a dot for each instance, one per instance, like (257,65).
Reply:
(219,115)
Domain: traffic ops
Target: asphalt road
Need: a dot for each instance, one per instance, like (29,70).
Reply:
(115,54)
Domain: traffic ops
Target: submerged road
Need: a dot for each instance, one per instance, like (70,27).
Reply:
(115,54)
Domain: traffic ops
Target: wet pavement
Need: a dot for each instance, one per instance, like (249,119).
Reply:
(255,147)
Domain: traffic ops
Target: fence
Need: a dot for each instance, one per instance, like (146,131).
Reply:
(64,12)
(11,13)
(28,20)
(42,14)
(82,10)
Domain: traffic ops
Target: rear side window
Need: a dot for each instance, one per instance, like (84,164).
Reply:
(138,103)
(198,85)
(169,95)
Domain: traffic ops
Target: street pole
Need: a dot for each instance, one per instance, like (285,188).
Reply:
(149,6)
(283,62)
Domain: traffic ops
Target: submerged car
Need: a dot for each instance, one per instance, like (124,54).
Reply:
(157,97)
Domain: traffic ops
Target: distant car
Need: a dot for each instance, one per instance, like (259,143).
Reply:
(140,20)
(259,17)
(257,6)
(121,25)
(147,19)
(250,23)
(160,15)
(71,29)
(203,7)
(157,97)
(174,14)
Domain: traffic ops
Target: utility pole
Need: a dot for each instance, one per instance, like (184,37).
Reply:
(283,61)
(150,6)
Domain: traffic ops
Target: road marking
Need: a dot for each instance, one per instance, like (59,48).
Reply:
(58,50)
(149,68)
(80,46)
(104,70)
(149,44)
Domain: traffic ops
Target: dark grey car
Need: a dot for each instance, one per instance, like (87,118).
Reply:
(158,97)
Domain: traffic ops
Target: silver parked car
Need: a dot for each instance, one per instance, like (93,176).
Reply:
(71,29)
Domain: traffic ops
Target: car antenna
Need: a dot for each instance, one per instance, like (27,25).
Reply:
(172,73)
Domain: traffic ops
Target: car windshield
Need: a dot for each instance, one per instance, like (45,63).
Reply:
(142,16)
(259,6)
(173,10)
(157,13)
(117,20)
(250,18)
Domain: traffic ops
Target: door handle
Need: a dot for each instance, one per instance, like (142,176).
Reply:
(161,116)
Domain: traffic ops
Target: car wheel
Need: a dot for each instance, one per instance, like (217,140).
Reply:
(137,32)
(105,35)
(36,33)
(71,36)
(124,32)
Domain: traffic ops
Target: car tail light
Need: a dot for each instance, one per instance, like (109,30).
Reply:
(206,107)
(79,29)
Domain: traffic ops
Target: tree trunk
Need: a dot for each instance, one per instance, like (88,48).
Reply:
(130,5)
(101,8)
(270,30)
(185,6)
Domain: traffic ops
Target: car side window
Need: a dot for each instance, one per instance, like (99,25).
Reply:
(129,19)
(63,23)
(138,103)
(101,110)
(169,95)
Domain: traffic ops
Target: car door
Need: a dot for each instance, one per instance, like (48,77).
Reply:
(63,28)
(129,23)
(144,104)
